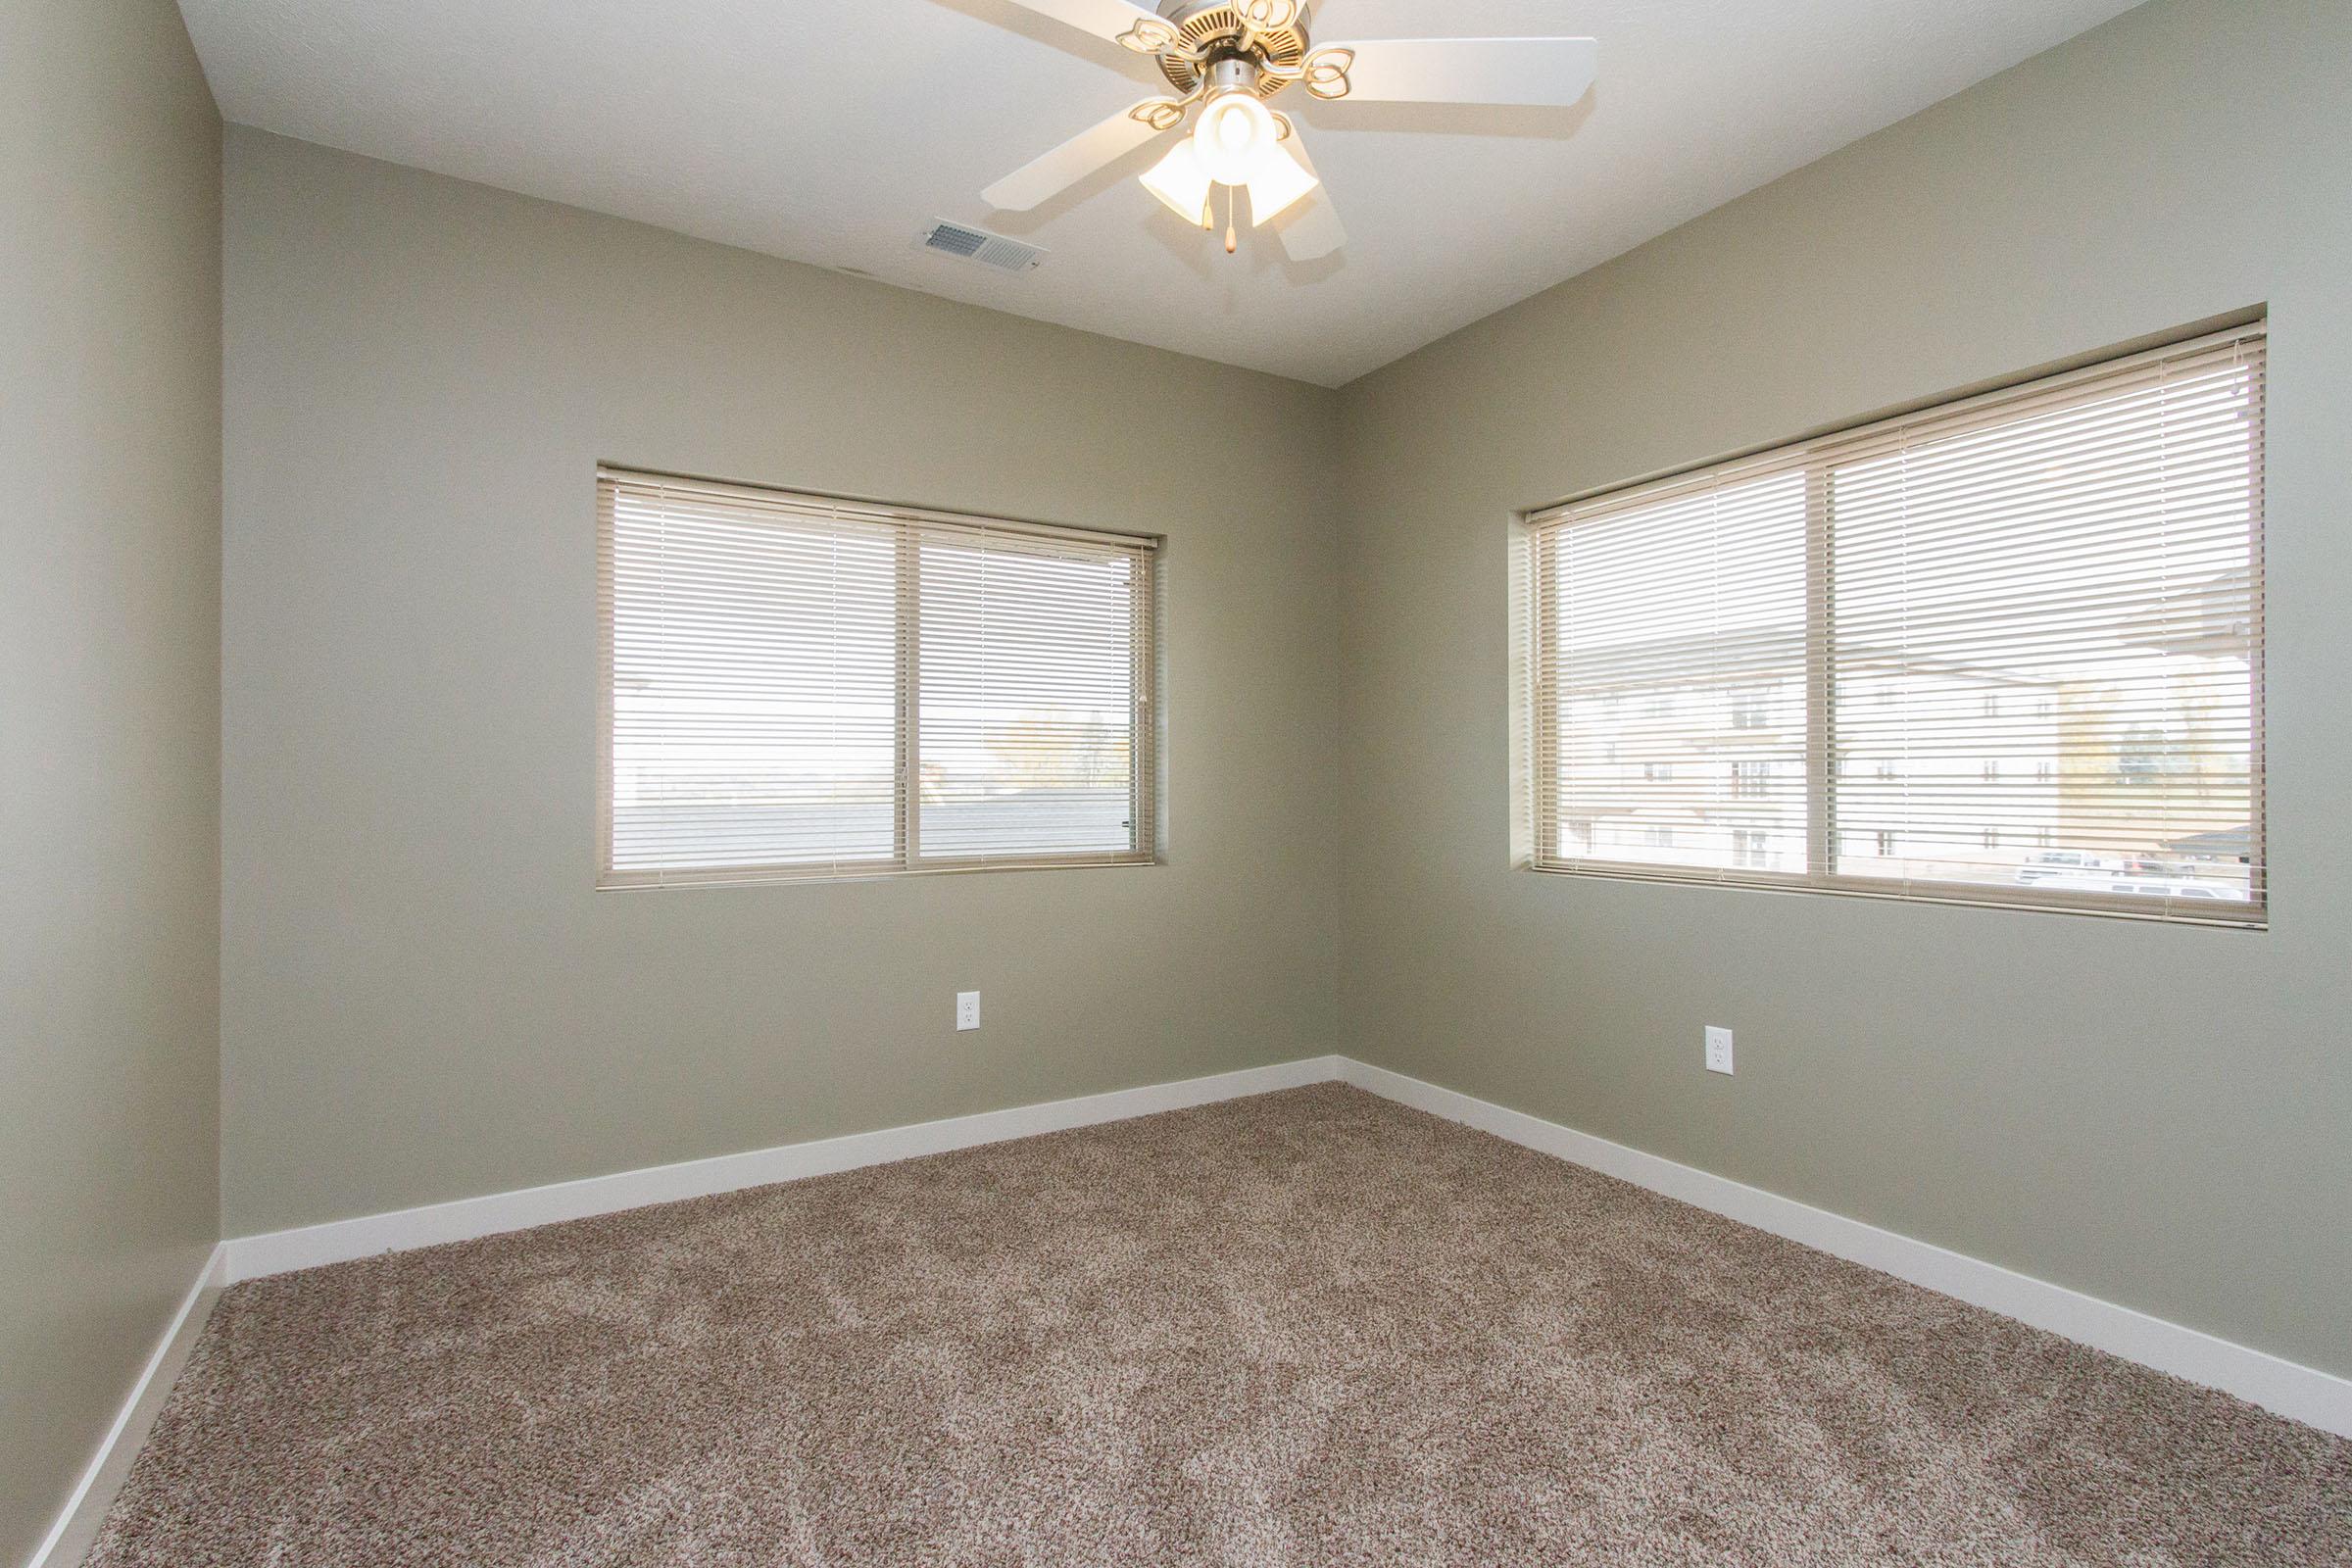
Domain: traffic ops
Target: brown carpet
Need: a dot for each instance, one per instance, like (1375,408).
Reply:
(1312,1328)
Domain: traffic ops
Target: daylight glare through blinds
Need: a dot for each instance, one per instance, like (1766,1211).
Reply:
(2045,634)
(1030,673)
(1671,644)
(796,686)
(2005,651)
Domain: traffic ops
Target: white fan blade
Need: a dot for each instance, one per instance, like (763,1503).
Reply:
(1104,19)
(1310,230)
(1548,72)
(1068,164)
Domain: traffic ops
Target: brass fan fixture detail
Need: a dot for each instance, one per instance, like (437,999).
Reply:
(1227,60)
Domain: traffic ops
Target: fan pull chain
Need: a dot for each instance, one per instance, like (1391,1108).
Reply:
(1233,240)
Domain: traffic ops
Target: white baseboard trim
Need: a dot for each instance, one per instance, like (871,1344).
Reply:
(339,1240)
(2304,1394)
(214,1273)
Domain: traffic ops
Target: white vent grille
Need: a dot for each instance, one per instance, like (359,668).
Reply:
(970,244)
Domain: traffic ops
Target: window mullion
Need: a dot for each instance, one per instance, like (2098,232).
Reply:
(1143,715)
(1821,790)
(910,700)
(1538,762)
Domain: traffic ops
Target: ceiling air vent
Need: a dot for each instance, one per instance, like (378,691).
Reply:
(979,245)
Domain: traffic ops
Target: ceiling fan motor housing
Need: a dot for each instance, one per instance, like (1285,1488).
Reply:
(1215,32)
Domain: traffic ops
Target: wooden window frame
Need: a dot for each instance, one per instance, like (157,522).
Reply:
(1538,737)
(911,526)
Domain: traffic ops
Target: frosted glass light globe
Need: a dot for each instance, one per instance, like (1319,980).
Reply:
(1235,133)
(1181,183)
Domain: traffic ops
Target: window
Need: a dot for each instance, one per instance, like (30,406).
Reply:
(798,687)
(1997,651)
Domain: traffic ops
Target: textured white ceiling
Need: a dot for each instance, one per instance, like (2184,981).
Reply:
(831,131)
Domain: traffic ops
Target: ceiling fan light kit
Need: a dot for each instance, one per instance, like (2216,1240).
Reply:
(1227,59)
(1236,142)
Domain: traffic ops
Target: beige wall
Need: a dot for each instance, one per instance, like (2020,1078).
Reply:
(423,996)
(110,436)
(2156,1116)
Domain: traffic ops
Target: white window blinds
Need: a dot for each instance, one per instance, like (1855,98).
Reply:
(2007,651)
(796,687)
(1673,651)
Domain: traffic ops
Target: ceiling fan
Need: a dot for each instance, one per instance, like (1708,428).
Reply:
(1226,59)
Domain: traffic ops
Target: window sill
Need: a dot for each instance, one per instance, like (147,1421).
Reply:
(656,881)
(2214,915)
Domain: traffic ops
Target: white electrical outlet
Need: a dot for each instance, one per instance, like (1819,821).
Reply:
(1719,1050)
(968,1009)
